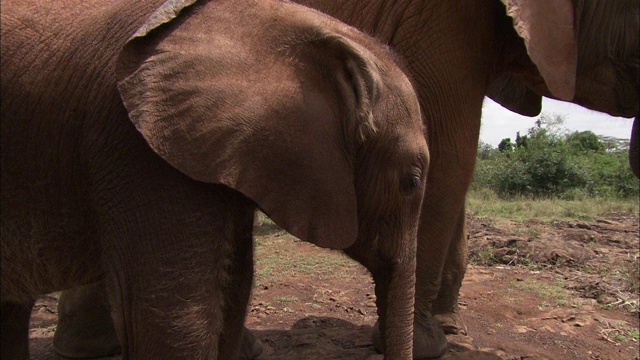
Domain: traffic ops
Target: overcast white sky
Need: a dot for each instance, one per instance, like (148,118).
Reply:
(499,123)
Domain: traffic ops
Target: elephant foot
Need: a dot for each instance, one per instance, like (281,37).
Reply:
(79,339)
(85,343)
(251,347)
(451,323)
(85,328)
(97,347)
(428,339)
(86,346)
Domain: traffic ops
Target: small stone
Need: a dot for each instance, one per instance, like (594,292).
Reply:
(523,329)
(606,299)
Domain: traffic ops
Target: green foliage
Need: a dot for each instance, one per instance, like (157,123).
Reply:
(506,145)
(485,151)
(522,141)
(549,162)
(584,141)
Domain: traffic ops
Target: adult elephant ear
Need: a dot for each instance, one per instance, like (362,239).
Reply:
(549,33)
(225,107)
(512,93)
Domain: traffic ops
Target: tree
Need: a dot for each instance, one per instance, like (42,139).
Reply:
(485,151)
(584,141)
(521,141)
(552,123)
(506,145)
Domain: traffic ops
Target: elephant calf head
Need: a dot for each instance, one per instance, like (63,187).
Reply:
(312,120)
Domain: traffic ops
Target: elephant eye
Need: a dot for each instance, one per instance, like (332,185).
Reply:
(409,183)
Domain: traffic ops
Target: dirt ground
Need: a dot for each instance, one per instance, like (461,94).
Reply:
(533,290)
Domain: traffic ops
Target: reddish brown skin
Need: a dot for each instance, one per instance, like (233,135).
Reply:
(94,188)
(457,53)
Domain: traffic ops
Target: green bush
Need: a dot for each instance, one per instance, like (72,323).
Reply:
(549,163)
(611,176)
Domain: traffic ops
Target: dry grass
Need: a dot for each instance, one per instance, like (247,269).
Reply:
(487,203)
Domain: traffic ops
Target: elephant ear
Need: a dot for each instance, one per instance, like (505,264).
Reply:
(548,30)
(222,108)
(512,93)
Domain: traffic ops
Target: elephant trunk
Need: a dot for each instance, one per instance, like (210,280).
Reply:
(634,148)
(395,290)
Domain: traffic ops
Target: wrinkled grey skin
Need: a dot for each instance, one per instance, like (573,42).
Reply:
(138,140)
(458,52)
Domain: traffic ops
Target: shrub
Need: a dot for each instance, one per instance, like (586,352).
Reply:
(549,163)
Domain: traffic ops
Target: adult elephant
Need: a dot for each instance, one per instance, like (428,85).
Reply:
(458,52)
(138,140)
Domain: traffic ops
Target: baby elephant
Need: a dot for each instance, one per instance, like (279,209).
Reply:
(138,138)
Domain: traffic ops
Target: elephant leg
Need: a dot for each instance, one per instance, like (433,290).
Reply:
(85,328)
(441,241)
(14,330)
(634,147)
(168,249)
(250,346)
(167,306)
(427,335)
(445,306)
(234,333)
(169,253)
